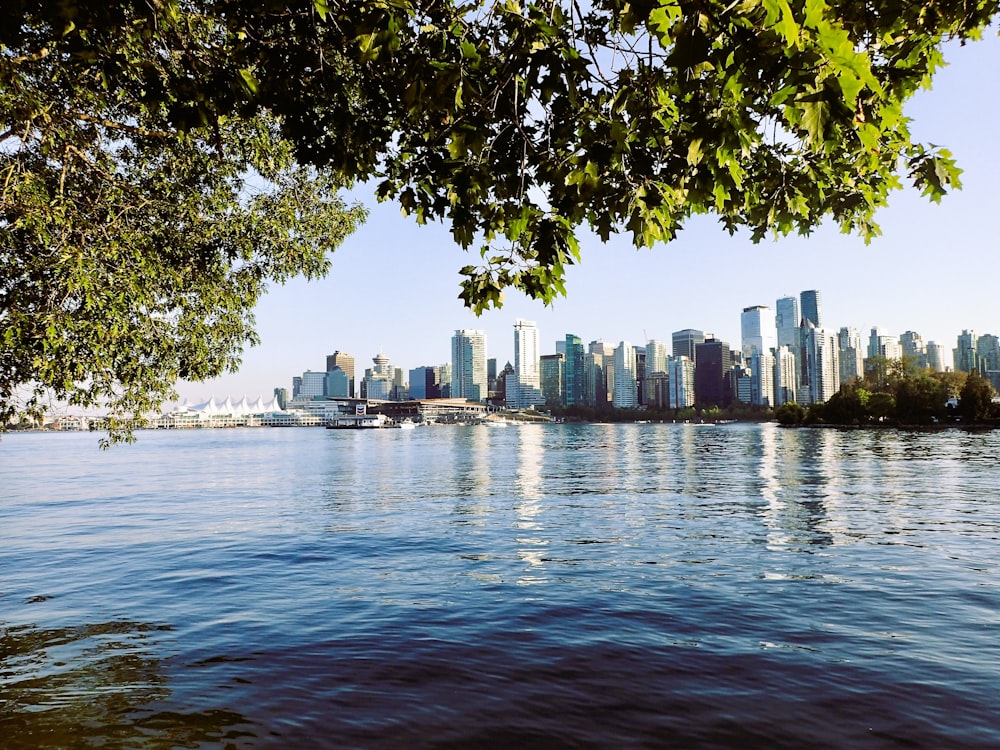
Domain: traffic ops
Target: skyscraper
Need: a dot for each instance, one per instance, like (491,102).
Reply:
(812,307)
(786,322)
(656,357)
(965,355)
(851,355)
(681,382)
(468,365)
(711,373)
(573,373)
(626,387)
(346,363)
(551,373)
(524,388)
(685,342)
(822,362)
(757,326)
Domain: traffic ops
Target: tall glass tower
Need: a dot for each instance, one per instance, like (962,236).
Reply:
(468,365)
(812,307)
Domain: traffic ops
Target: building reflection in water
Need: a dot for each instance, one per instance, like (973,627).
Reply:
(96,685)
(531,544)
(797,482)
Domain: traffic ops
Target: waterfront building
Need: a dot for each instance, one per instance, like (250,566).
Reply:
(625,395)
(852,362)
(758,331)
(595,391)
(313,384)
(712,373)
(468,365)
(573,371)
(657,390)
(346,363)
(762,378)
(822,363)
(338,385)
(607,352)
(786,375)
(964,355)
(296,385)
(524,388)
(686,341)
(551,372)
(786,322)
(425,383)
(744,384)
(681,371)
(281,397)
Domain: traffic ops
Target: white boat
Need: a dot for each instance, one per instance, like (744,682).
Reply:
(407,424)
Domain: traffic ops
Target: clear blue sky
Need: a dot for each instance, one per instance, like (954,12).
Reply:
(394,285)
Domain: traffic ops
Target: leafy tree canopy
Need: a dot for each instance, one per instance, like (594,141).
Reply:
(126,129)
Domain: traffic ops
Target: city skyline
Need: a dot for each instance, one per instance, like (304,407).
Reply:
(394,285)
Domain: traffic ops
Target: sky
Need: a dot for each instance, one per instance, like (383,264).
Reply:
(394,285)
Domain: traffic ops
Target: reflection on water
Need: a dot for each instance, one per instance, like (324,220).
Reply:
(97,685)
(561,585)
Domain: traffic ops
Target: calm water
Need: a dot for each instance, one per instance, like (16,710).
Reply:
(543,586)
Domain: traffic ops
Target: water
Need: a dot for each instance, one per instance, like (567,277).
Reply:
(539,586)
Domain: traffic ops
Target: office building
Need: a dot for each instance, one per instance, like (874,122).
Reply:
(573,370)
(656,357)
(811,307)
(786,375)
(468,365)
(762,378)
(822,363)
(551,373)
(758,331)
(625,395)
(936,357)
(524,388)
(338,385)
(786,322)
(346,363)
(685,342)
(712,373)
(852,361)
(681,370)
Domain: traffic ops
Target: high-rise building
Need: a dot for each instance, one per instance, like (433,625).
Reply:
(881,344)
(913,347)
(823,364)
(656,357)
(380,380)
(626,394)
(965,356)
(313,384)
(935,357)
(712,366)
(757,326)
(762,377)
(811,303)
(573,371)
(524,388)
(425,382)
(607,363)
(338,385)
(988,353)
(657,390)
(786,322)
(681,370)
(551,373)
(852,361)
(468,365)
(346,363)
(281,396)
(685,342)
(786,375)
